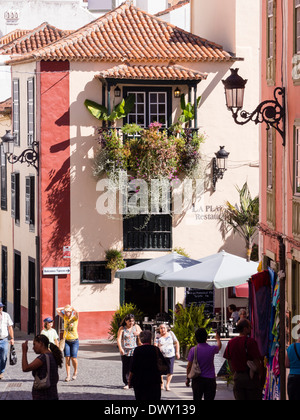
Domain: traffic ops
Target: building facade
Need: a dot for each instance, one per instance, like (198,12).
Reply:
(280,228)
(56,223)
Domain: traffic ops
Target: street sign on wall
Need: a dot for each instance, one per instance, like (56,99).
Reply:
(56,271)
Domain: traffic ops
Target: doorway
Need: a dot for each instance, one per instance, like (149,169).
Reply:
(31,296)
(147,296)
(17,289)
(4,276)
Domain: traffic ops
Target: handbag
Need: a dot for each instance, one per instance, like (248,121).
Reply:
(195,369)
(162,366)
(40,384)
(12,356)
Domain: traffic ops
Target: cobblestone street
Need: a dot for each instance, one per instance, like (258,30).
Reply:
(99,377)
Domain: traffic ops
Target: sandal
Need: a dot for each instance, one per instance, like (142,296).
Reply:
(74,377)
(67,379)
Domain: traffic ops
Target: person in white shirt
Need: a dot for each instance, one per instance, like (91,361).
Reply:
(6,329)
(49,331)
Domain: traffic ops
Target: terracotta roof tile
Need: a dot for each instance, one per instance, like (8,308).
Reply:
(11,36)
(151,72)
(128,33)
(41,36)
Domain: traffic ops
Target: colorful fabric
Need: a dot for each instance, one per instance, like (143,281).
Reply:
(260,284)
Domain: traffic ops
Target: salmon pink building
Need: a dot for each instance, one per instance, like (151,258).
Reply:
(280,164)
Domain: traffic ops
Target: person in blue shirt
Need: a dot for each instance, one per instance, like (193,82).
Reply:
(292,362)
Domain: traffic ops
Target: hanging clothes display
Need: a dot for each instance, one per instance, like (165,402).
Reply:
(272,385)
(259,306)
(264,316)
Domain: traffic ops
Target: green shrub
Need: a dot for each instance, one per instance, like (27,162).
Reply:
(187,321)
(126,309)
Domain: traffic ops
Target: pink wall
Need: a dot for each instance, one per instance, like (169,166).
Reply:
(54,179)
(284,172)
(267,92)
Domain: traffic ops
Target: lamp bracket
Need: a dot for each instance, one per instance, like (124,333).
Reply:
(270,112)
(30,156)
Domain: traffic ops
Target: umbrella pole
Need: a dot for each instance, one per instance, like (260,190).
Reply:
(222,312)
(225,306)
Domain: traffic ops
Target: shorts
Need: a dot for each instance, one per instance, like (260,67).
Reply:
(71,348)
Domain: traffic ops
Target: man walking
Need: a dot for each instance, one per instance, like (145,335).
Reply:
(6,329)
(244,361)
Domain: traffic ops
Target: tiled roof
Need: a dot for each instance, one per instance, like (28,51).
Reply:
(39,37)
(149,72)
(11,36)
(128,33)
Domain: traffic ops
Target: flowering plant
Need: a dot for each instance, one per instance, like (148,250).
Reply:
(153,154)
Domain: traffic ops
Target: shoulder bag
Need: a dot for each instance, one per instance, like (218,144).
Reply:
(195,369)
(40,384)
(12,356)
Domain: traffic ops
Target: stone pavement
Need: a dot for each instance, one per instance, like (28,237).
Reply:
(99,376)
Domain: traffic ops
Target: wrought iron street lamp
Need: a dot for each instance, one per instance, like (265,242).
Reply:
(271,112)
(30,155)
(219,165)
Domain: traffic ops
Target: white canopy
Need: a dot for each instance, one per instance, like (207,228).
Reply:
(150,270)
(218,271)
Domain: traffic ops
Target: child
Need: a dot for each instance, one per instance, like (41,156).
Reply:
(50,332)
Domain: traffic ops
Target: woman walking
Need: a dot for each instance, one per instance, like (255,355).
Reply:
(70,317)
(205,384)
(41,367)
(127,340)
(168,344)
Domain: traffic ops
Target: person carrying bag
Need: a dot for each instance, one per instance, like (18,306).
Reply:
(201,369)
(195,370)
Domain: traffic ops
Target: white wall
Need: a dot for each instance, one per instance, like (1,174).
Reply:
(28,14)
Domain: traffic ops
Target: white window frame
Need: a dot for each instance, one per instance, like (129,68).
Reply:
(157,114)
(30,112)
(134,111)
(16,110)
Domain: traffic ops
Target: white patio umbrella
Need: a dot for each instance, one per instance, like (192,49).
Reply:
(150,270)
(218,271)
